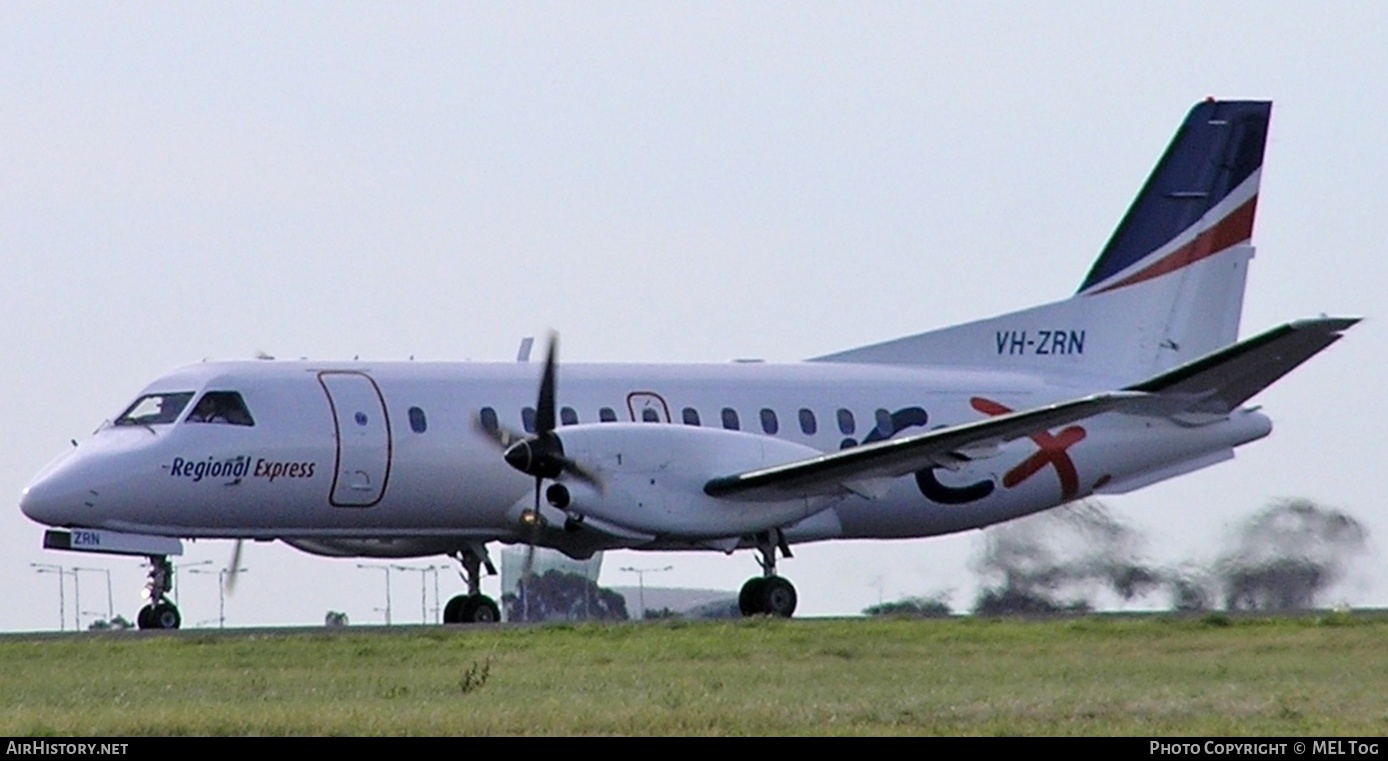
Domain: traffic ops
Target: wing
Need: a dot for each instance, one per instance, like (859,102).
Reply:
(835,473)
(1220,381)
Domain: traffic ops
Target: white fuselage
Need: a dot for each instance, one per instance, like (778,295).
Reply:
(386,458)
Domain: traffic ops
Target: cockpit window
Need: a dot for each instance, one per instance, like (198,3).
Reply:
(221,407)
(154,409)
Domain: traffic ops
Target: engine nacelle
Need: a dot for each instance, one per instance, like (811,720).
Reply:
(654,475)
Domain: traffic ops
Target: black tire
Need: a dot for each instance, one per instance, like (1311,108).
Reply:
(165,616)
(145,619)
(484,611)
(750,600)
(778,597)
(453,611)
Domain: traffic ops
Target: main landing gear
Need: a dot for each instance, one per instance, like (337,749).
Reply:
(768,594)
(160,613)
(473,607)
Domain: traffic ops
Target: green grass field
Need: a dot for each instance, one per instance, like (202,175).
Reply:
(1100,675)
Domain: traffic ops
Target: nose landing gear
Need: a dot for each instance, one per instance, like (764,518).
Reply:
(160,613)
(768,594)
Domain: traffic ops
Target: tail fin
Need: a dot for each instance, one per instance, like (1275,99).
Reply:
(1167,288)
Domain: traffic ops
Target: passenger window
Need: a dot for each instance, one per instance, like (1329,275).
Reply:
(769,424)
(417,422)
(730,419)
(808,426)
(846,425)
(691,416)
(884,423)
(221,407)
(487,417)
(528,419)
(154,409)
(606,415)
(649,415)
(567,416)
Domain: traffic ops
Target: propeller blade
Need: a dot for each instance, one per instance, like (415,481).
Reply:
(584,474)
(534,535)
(503,438)
(234,569)
(544,406)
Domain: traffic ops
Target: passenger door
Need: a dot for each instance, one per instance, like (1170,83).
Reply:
(362,429)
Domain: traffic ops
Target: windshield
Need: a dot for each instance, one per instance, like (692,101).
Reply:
(153,409)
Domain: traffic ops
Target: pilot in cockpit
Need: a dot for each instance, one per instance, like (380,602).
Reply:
(208,411)
(220,407)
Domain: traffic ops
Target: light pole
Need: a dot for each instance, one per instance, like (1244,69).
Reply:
(174,580)
(221,591)
(437,613)
(423,589)
(110,601)
(62,596)
(641,581)
(385,568)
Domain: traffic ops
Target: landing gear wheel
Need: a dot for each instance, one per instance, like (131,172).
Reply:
(165,616)
(453,611)
(749,600)
(480,609)
(778,597)
(471,609)
(162,615)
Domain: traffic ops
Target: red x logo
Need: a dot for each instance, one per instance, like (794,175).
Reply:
(1052,452)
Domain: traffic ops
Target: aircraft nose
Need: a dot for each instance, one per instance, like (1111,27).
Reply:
(54,499)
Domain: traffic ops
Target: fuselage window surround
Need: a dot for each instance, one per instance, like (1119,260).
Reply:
(730,420)
(607,415)
(769,424)
(846,423)
(649,415)
(528,419)
(221,407)
(884,423)
(418,423)
(691,416)
(567,416)
(808,425)
(487,417)
(155,409)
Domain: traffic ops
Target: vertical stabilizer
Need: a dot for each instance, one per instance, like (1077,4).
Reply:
(1167,288)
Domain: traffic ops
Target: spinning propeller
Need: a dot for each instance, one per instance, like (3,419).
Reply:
(540,455)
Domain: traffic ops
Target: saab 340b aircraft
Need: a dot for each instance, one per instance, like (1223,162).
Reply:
(1137,378)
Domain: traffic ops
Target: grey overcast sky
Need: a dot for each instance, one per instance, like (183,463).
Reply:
(659,182)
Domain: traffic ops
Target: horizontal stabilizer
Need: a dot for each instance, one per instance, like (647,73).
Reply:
(850,470)
(1219,382)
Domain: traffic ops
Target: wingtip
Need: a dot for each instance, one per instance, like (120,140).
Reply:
(1326,323)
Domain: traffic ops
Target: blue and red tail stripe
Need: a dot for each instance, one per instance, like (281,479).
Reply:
(1200,200)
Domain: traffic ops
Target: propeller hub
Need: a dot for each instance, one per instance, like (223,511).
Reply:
(540,456)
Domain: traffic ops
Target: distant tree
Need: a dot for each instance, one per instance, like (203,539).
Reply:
(1013,601)
(561,596)
(1189,595)
(911,607)
(117,622)
(335,619)
(1288,553)
(652,613)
